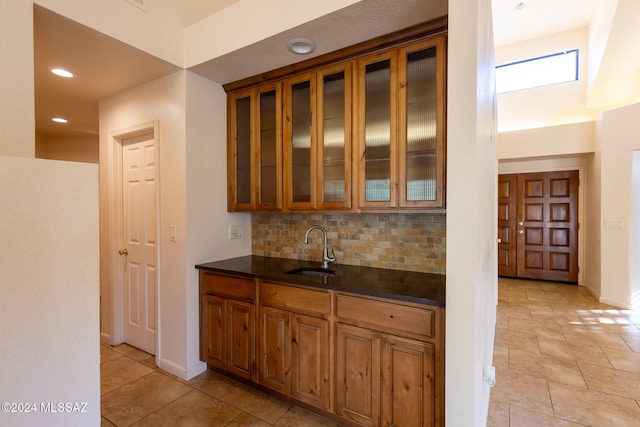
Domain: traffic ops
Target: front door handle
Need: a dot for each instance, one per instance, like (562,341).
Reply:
(123,251)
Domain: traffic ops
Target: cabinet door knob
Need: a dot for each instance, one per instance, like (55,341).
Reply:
(123,251)
(521,231)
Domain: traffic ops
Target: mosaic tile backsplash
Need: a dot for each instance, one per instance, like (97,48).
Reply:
(414,242)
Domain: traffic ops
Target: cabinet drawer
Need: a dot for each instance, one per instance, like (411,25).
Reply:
(228,286)
(295,299)
(386,314)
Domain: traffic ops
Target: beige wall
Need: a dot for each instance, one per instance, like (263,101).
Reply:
(17,114)
(48,254)
(49,343)
(71,148)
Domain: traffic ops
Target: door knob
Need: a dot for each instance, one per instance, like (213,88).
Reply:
(123,251)
(521,223)
(499,240)
(521,231)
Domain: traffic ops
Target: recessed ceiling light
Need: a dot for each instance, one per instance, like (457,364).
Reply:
(301,46)
(62,72)
(521,5)
(60,120)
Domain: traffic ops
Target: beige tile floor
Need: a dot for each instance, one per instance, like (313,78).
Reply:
(136,393)
(563,359)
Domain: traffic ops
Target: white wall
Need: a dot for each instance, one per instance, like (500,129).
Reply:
(49,343)
(471,212)
(620,130)
(559,140)
(145,30)
(207,218)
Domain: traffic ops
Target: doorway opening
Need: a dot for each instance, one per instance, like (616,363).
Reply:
(134,242)
(538,226)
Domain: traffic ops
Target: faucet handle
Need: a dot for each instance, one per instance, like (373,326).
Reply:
(331,258)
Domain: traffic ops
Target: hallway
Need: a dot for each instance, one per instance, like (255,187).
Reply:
(563,359)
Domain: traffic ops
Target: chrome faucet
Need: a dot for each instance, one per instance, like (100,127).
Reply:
(326,259)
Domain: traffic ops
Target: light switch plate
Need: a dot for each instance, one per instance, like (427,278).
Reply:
(614,224)
(236,231)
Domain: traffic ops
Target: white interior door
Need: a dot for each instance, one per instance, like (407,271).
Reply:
(139,203)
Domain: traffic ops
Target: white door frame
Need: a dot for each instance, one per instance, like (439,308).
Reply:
(115,225)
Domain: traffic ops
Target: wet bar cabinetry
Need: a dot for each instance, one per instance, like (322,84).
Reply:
(362,129)
(333,346)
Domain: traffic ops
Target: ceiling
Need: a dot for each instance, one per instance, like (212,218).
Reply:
(105,66)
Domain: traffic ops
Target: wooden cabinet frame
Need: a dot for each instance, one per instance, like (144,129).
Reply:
(394,47)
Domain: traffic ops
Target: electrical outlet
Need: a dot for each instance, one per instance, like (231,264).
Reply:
(236,231)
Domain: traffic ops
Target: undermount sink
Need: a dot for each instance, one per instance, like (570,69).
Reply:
(313,272)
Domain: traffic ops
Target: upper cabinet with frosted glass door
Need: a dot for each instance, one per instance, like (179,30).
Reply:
(401,127)
(360,129)
(317,139)
(254,149)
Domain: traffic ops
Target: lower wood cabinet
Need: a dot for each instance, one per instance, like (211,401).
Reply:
(384,379)
(227,325)
(358,374)
(361,360)
(294,347)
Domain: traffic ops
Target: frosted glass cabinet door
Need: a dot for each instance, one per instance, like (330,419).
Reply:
(240,152)
(300,142)
(377,137)
(421,135)
(401,127)
(243,144)
(254,149)
(334,137)
(269,149)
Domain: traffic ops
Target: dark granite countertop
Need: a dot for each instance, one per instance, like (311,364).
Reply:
(421,288)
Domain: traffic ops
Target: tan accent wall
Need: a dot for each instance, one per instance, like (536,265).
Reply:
(414,242)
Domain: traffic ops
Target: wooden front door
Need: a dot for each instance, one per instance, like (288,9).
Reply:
(538,226)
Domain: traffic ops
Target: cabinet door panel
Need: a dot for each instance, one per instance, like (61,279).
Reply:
(334,137)
(213,348)
(274,349)
(269,144)
(358,375)
(310,360)
(241,338)
(407,382)
(421,124)
(300,142)
(377,136)
(240,151)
